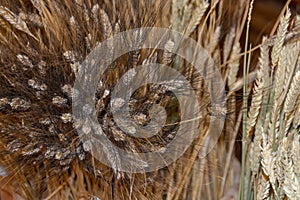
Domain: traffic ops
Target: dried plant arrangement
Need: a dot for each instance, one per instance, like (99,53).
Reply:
(273,118)
(44,48)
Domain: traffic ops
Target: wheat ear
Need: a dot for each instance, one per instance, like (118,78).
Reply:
(281,33)
(15,21)
(196,17)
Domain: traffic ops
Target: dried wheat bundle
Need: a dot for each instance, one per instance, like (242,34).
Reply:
(273,114)
(42,46)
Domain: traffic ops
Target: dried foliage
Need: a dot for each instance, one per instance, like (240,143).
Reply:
(274,104)
(42,46)
(45,43)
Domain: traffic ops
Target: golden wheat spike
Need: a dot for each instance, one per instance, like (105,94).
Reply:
(15,21)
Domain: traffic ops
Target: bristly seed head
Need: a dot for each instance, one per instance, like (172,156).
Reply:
(59,101)
(66,117)
(19,104)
